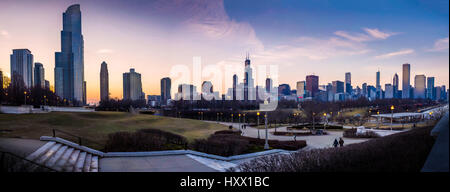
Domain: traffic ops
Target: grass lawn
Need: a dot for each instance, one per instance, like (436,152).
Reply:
(97,125)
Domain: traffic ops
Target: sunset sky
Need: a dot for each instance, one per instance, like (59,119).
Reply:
(325,38)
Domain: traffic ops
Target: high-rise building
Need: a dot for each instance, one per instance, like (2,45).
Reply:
(348,83)
(284,89)
(187,92)
(165,90)
(389,91)
(364,90)
(269,85)
(47,84)
(69,63)
(1,82)
(132,85)
(406,81)
(395,85)
(312,84)
(431,92)
(338,87)
(235,84)
(104,82)
(249,93)
(378,86)
(39,75)
(301,89)
(419,86)
(22,66)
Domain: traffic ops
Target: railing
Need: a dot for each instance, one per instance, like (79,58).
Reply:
(80,140)
(19,164)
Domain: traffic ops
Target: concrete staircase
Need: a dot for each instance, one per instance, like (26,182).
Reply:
(64,158)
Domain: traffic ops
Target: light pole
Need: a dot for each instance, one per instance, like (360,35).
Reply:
(378,119)
(257,123)
(239,124)
(45,98)
(392,115)
(25,94)
(266,145)
(314,125)
(231,119)
(217,118)
(244,118)
(326,121)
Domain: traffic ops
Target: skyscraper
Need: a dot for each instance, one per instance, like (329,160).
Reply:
(389,91)
(104,82)
(69,63)
(249,93)
(312,84)
(301,89)
(419,86)
(165,90)
(395,86)
(22,66)
(235,82)
(39,75)
(132,85)
(406,80)
(338,87)
(431,92)
(348,83)
(378,86)
(364,90)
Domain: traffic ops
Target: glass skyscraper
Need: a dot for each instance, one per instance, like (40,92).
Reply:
(39,75)
(69,63)
(22,66)
(406,80)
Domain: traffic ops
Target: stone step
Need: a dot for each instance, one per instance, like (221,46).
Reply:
(35,155)
(56,156)
(94,164)
(60,164)
(69,166)
(80,162)
(41,160)
(87,163)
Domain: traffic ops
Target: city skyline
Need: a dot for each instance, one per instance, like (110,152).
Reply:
(364,48)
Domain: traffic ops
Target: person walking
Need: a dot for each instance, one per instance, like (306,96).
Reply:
(335,143)
(341,142)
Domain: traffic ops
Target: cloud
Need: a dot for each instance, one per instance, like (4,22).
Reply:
(369,35)
(440,45)
(4,33)
(397,53)
(104,51)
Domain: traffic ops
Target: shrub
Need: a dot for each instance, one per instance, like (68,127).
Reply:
(352,133)
(401,152)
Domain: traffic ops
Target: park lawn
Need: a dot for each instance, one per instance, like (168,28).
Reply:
(96,126)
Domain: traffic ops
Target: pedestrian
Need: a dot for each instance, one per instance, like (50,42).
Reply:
(335,143)
(341,142)
(295,137)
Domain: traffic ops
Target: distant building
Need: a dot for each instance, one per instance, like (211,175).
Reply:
(187,92)
(406,81)
(371,92)
(22,66)
(47,84)
(104,82)
(154,100)
(364,90)
(431,92)
(132,86)
(284,90)
(338,87)
(39,75)
(301,89)
(166,85)
(419,86)
(395,86)
(378,85)
(348,83)
(312,84)
(389,91)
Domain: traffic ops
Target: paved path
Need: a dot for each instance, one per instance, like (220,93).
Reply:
(21,147)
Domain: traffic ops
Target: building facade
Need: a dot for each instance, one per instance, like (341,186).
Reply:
(312,84)
(22,66)
(39,75)
(165,90)
(431,92)
(419,87)
(406,81)
(104,82)
(132,86)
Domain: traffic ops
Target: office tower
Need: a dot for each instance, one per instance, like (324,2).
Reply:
(269,85)
(39,75)
(405,81)
(47,84)
(419,86)
(132,85)
(165,90)
(371,92)
(348,83)
(22,66)
(248,81)
(312,84)
(69,63)
(104,82)
(84,100)
(284,89)
(389,91)
(378,85)
(395,85)
(364,90)
(338,87)
(431,92)
(235,83)
(301,89)
(187,91)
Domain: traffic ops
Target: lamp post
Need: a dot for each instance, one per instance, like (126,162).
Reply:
(326,121)
(45,98)
(266,145)
(314,125)
(392,115)
(25,95)
(231,119)
(257,123)
(244,118)
(239,124)
(217,118)
(378,119)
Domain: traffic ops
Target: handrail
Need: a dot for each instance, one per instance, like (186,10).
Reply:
(80,139)
(24,159)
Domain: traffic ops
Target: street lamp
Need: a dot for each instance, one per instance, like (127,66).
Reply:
(25,94)
(244,118)
(231,119)
(392,115)
(266,145)
(257,123)
(239,124)
(326,121)
(378,119)
(314,125)
(217,118)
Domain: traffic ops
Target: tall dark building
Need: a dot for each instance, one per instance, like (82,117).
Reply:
(406,81)
(69,63)
(104,82)
(248,80)
(395,86)
(235,81)
(132,86)
(165,90)
(22,66)
(378,86)
(312,84)
(39,75)
(269,85)
(348,83)
(338,87)
(284,89)
(431,92)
